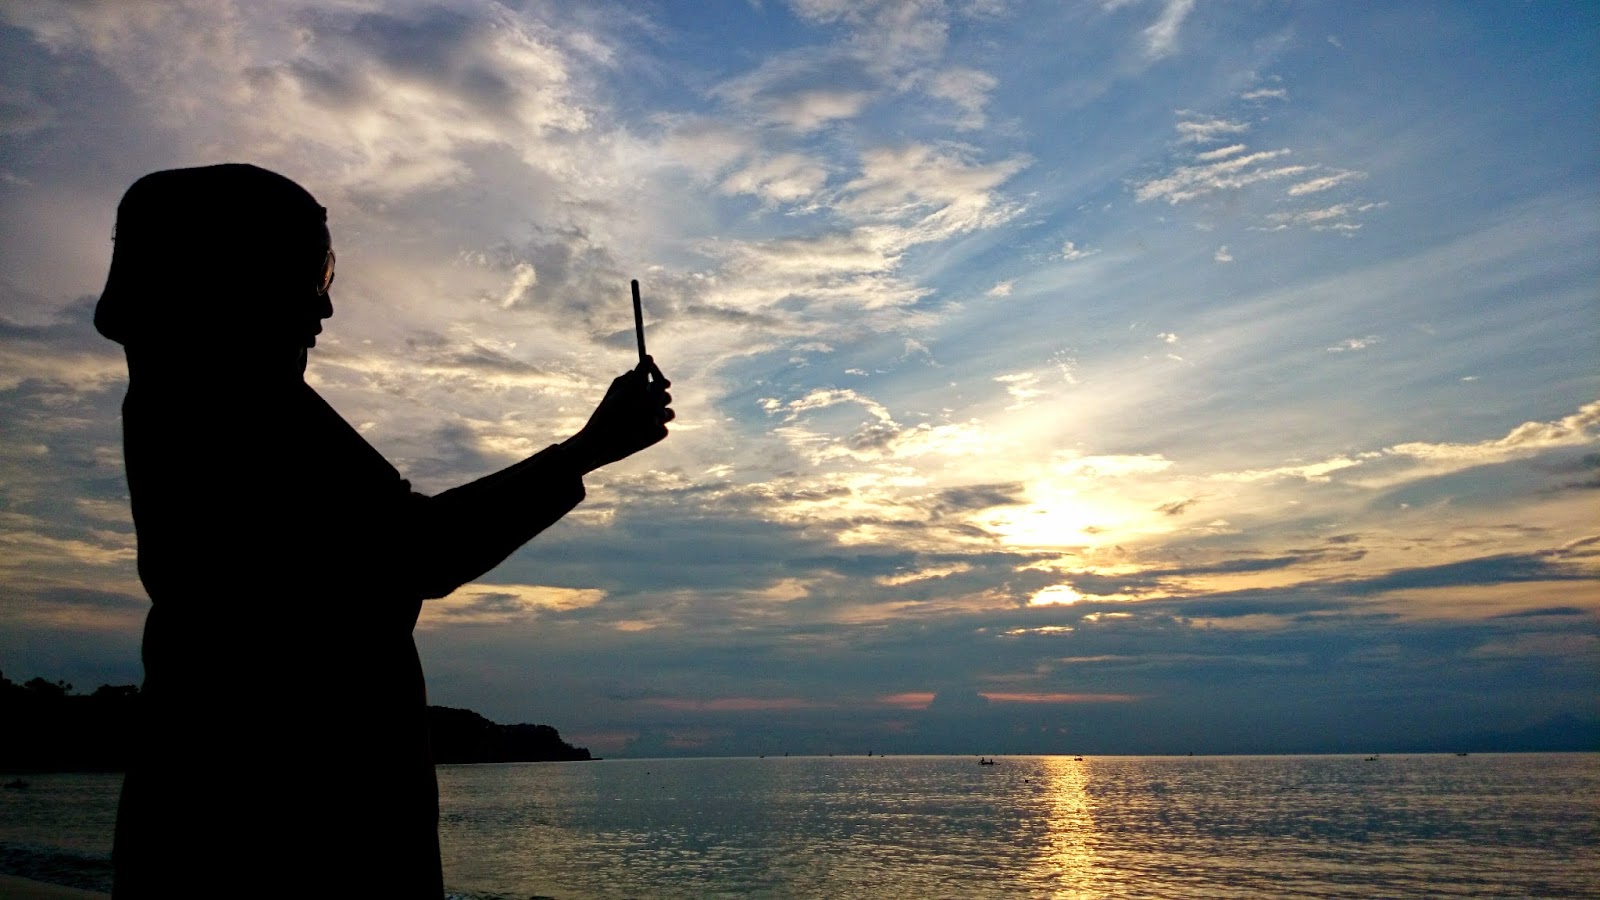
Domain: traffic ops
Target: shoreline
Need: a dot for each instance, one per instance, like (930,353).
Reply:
(15,887)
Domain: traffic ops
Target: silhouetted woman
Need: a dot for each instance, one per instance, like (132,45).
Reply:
(284,745)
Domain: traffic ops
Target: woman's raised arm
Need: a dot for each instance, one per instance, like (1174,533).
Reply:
(468,530)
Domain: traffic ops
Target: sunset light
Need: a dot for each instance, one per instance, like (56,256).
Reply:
(1237,358)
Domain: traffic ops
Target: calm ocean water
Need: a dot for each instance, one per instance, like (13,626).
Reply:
(1512,825)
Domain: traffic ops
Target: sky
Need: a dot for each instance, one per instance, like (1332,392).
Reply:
(1112,376)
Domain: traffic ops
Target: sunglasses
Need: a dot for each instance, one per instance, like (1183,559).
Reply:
(327,274)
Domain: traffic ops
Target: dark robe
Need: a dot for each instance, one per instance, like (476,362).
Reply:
(284,745)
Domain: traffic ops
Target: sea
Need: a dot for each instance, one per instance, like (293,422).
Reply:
(925,827)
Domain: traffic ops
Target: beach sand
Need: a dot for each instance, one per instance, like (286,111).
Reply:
(14,888)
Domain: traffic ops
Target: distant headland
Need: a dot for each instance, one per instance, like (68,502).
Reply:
(51,729)
(463,736)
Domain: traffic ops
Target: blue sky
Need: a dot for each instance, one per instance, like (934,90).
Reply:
(1120,376)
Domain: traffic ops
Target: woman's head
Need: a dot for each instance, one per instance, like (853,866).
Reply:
(230,255)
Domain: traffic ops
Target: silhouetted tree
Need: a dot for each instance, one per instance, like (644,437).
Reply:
(49,728)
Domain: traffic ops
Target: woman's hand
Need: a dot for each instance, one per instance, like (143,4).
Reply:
(633,415)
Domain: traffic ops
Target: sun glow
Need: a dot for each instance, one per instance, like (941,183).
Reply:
(1062,521)
(1055,595)
(1089,501)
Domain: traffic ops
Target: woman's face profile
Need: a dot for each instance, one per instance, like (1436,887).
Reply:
(309,297)
(321,306)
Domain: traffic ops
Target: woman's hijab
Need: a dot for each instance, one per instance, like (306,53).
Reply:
(203,256)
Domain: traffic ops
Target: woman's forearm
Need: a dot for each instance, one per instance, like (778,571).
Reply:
(468,530)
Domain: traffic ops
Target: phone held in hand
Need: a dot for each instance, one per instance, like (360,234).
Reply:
(638,320)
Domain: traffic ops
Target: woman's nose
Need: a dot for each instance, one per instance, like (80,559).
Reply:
(325,311)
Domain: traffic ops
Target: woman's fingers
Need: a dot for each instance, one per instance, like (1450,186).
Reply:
(649,367)
(642,407)
(657,385)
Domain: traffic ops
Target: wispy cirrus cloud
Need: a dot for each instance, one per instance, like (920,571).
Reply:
(1161,37)
(1324,182)
(1197,129)
(1204,174)
(1236,171)
(1337,217)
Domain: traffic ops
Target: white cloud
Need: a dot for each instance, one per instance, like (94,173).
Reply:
(784,178)
(703,145)
(949,192)
(1349,344)
(1221,152)
(1324,183)
(901,197)
(890,38)
(378,102)
(811,109)
(1205,130)
(968,90)
(800,90)
(523,277)
(1071,252)
(1109,465)
(29,551)
(1192,182)
(84,371)
(1329,218)
(1235,166)
(1161,38)
(822,398)
(1576,430)
(825,11)
(501,604)
(968,438)
(1023,388)
(1416,460)
(1315,472)
(492,205)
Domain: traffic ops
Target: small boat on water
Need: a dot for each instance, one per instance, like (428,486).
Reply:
(985,762)
(1372,758)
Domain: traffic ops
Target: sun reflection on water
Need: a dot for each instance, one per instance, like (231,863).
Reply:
(1067,865)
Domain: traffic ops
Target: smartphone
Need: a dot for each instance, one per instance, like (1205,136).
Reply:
(638,320)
